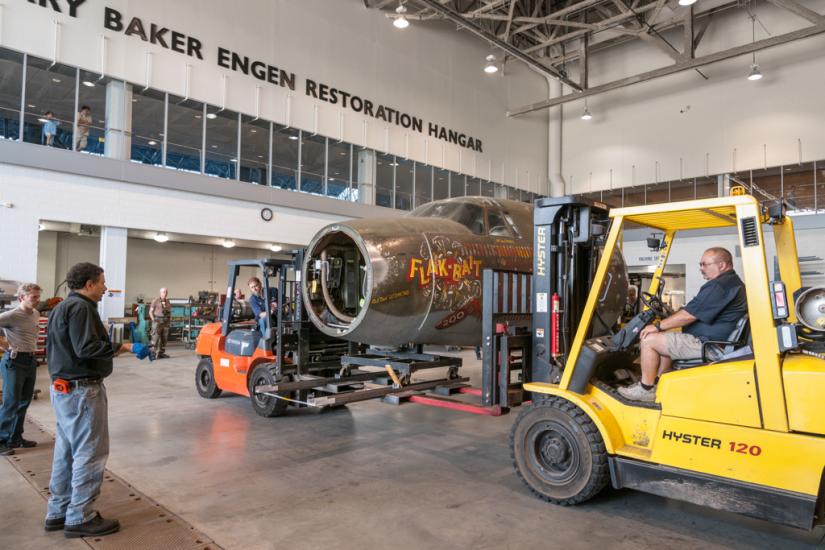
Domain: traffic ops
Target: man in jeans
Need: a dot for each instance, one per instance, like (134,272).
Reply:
(19,367)
(80,356)
(160,312)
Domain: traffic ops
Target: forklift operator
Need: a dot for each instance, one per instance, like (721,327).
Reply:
(711,315)
(259,304)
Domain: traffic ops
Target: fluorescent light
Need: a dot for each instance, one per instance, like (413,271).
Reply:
(293,138)
(198,116)
(586,114)
(276,247)
(211,116)
(233,160)
(88,83)
(686,2)
(161,237)
(30,106)
(152,142)
(253,131)
(755,73)
(228,243)
(43,120)
(491,67)
(400,20)
(56,80)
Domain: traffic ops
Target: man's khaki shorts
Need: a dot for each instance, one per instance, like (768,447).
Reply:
(683,346)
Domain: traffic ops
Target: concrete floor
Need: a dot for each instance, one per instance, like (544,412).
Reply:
(366,476)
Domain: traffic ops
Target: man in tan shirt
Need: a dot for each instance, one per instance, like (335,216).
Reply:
(160,312)
(18,367)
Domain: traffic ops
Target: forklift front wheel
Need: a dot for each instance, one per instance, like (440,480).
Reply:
(205,380)
(558,452)
(267,405)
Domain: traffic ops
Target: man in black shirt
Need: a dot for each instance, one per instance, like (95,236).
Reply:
(711,315)
(80,356)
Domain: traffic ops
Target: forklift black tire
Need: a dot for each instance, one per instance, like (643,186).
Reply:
(558,452)
(266,405)
(205,379)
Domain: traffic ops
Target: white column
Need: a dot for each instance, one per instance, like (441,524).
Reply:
(554,143)
(366,176)
(47,262)
(113,242)
(118,142)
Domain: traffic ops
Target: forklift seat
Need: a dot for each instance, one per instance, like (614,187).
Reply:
(242,342)
(736,345)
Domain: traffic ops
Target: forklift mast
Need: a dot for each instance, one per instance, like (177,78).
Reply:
(568,237)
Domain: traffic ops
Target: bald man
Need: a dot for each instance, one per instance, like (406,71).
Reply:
(160,312)
(711,315)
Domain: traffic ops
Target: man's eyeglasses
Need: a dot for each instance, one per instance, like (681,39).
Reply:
(705,264)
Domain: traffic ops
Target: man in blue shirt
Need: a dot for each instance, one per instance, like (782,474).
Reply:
(259,304)
(711,315)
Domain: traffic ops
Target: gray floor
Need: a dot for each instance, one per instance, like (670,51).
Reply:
(367,476)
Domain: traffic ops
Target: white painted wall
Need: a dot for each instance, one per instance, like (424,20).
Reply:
(183,268)
(428,70)
(44,195)
(732,124)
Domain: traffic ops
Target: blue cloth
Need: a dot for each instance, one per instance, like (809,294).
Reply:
(718,306)
(142,351)
(19,375)
(49,128)
(259,306)
(80,452)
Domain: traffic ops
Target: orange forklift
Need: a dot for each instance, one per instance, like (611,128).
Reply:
(285,361)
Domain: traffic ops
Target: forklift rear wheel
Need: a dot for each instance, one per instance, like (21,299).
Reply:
(266,405)
(205,379)
(558,452)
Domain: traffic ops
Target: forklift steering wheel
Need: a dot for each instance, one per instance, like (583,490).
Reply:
(655,304)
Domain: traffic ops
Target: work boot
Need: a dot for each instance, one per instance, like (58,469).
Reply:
(54,524)
(162,355)
(24,443)
(5,450)
(636,392)
(95,527)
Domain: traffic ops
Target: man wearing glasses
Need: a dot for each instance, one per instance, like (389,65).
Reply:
(711,315)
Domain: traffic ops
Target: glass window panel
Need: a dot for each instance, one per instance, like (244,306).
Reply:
(423,184)
(11,88)
(403,184)
(221,143)
(488,189)
(313,163)
(512,193)
(819,184)
(339,172)
(52,91)
(498,225)
(91,115)
(254,150)
(473,187)
(798,185)
(683,190)
(634,196)
(441,184)
(457,184)
(284,157)
(612,197)
(384,176)
(185,128)
(658,193)
(706,187)
(147,125)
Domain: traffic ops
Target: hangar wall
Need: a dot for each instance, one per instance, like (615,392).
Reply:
(423,71)
(683,126)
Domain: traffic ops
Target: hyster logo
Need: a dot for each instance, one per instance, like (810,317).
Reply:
(73,5)
(541,259)
(692,439)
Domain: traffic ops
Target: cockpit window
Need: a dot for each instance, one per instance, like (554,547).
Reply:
(470,216)
(499,227)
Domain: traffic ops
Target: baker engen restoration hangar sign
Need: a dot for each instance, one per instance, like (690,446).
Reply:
(185,44)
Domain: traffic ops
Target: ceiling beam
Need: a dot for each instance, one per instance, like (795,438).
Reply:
(675,68)
(514,52)
(800,10)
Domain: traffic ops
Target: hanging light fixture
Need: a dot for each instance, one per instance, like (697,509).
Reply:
(276,247)
(228,243)
(492,65)
(686,2)
(161,237)
(586,114)
(400,20)
(755,73)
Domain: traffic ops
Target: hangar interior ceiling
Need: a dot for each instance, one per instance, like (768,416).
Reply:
(556,37)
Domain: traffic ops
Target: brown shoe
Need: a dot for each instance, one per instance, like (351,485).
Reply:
(95,527)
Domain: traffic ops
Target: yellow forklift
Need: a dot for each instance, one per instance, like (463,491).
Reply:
(742,429)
